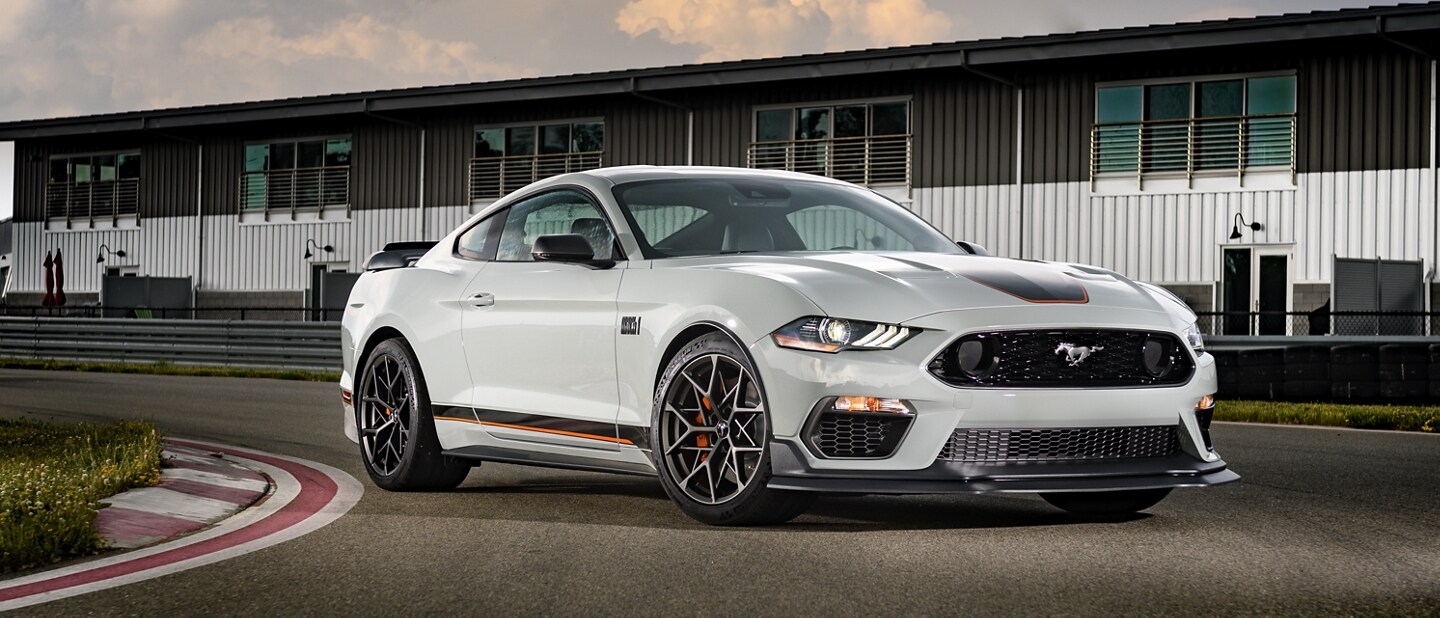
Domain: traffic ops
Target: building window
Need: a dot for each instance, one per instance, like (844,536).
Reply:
(93,186)
(296,175)
(509,157)
(1194,126)
(863,142)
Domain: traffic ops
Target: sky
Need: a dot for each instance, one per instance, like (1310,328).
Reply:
(77,57)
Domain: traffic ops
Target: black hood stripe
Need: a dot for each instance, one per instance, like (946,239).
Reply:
(1038,287)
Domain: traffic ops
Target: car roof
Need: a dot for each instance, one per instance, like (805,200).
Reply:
(633,173)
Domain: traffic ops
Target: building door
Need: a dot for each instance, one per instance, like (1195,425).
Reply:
(1256,280)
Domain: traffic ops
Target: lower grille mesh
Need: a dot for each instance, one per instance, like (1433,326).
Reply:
(1042,445)
(857,435)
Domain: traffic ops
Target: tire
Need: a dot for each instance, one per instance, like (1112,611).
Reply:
(397,430)
(712,378)
(1106,502)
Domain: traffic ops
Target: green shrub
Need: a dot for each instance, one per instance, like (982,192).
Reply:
(52,477)
(1404,418)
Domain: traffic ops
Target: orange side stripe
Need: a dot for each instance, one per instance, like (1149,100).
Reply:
(539,429)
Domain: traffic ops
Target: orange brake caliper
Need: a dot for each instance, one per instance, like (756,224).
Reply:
(702,440)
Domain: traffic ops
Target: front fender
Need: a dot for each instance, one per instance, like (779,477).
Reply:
(670,301)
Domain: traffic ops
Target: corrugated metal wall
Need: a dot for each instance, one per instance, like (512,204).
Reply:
(164,247)
(964,131)
(1365,106)
(450,139)
(1364,111)
(1177,237)
(167,173)
(723,116)
(385,166)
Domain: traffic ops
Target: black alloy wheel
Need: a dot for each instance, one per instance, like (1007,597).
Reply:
(397,431)
(711,435)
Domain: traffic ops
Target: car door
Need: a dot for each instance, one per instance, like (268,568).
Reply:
(539,337)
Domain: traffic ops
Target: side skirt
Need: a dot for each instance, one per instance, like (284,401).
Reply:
(548,460)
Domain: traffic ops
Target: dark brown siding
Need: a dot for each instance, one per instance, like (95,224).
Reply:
(964,129)
(167,179)
(167,172)
(224,160)
(450,139)
(723,117)
(1363,111)
(1366,108)
(641,132)
(385,166)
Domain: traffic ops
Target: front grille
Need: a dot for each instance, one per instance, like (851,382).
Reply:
(1063,359)
(845,435)
(993,446)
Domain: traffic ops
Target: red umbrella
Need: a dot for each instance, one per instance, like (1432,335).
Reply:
(49,282)
(59,280)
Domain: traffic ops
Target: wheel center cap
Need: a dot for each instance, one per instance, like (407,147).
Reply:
(722,429)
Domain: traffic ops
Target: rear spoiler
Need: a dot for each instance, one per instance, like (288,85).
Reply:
(399,255)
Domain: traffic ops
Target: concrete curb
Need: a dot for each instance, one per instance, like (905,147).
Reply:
(199,488)
(304,496)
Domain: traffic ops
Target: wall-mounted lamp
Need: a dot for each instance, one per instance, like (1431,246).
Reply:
(105,250)
(310,242)
(1239,220)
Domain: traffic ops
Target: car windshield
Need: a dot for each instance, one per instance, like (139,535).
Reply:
(724,215)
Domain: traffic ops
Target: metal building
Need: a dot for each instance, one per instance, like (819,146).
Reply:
(1272,163)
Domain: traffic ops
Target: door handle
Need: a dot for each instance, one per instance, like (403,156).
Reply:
(483,299)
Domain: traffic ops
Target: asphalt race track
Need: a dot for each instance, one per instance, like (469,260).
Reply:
(1332,521)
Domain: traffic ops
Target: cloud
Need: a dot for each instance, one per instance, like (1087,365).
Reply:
(732,29)
(361,39)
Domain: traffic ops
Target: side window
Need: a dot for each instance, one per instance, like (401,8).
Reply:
(824,228)
(475,242)
(558,212)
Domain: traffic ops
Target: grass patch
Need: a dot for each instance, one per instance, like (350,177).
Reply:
(1403,418)
(52,476)
(171,370)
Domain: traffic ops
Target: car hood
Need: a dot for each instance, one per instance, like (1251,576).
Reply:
(899,286)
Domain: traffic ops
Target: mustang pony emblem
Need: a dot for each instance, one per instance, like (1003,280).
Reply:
(1076,354)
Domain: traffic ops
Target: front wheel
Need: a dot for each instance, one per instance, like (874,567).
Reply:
(397,432)
(711,432)
(1109,503)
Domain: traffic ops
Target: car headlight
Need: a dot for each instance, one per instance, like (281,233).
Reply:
(1194,338)
(821,334)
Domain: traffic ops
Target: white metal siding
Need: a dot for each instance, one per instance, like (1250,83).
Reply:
(1163,237)
(162,247)
(1177,237)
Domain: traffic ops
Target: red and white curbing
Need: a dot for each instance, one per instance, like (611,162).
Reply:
(199,488)
(307,496)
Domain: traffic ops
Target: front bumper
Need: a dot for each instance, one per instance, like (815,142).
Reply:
(790,471)
(795,380)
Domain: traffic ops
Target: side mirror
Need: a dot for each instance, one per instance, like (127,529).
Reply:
(570,248)
(972,248)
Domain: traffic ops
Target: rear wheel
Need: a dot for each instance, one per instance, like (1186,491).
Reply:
(397,431)
(1107,502)
(711,431)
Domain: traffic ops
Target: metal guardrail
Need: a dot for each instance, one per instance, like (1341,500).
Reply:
(1185,147)
(266,345)
(874,159)
(1318,323)
(493,177)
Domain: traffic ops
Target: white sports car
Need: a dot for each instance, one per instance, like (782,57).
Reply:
(756,338)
